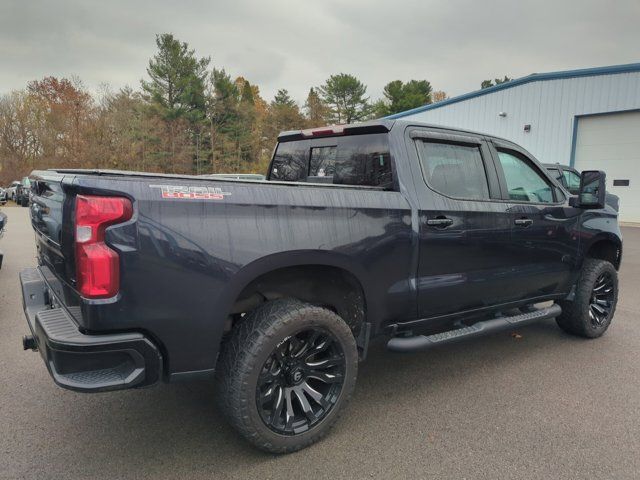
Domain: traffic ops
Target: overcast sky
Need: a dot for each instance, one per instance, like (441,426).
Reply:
(298,44)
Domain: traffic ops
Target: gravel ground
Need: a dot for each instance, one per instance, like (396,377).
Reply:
(542,406)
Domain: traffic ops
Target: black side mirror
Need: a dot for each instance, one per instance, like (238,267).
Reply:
(592,190)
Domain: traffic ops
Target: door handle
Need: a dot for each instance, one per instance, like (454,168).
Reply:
(440,222)
(523,222)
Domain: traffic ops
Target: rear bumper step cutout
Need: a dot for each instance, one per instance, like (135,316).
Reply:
(81,362)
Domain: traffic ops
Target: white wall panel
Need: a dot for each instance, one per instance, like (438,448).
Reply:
(612,143)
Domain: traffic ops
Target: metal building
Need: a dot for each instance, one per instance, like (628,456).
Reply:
(588,118)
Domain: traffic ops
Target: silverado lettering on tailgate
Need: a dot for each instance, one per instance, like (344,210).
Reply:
(191,192)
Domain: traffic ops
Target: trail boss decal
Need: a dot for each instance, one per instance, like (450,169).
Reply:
(194,193)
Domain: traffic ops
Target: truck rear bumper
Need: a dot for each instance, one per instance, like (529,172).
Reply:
(85,363)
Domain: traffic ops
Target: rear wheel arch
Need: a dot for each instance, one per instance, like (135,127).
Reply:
(323,282)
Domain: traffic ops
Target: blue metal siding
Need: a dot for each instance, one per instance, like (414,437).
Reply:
(534,77)
(549,106)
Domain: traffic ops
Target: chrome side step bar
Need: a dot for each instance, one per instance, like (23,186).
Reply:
(419,343)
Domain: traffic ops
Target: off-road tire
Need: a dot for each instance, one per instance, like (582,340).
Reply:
(575,318)
(244,353)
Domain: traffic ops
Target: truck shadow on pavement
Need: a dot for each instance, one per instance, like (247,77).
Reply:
(179,425)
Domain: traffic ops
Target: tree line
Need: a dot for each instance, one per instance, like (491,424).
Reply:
(186,117)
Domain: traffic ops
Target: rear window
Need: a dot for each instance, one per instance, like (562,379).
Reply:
(350,160)
(323,161)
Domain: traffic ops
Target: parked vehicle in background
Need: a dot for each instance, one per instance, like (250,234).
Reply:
(422,234)
(22,192)
(569,178)
(3,196)
(11,190)
(3,223)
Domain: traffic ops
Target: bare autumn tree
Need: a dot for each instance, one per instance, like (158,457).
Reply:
(122,130)
(20,139)
(66,112)
(438,96)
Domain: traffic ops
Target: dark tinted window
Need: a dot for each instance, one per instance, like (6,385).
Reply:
(323,161)
(290,162)
(524,182)
(353,160)
(363,160)
(454,170)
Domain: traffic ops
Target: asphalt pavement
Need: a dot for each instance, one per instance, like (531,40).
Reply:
(540,404)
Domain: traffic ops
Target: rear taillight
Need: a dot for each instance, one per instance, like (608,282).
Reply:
(97,265)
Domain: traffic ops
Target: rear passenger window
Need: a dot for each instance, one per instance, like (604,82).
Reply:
(454,170)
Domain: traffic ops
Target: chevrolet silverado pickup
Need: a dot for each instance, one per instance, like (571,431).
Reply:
(274,288)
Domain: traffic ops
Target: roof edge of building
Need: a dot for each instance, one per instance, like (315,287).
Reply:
(534,77)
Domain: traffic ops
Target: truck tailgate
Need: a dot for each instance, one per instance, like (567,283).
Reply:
(51,229)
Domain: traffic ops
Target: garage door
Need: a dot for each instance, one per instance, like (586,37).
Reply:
(612,143)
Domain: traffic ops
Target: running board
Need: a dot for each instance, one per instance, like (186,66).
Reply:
(418,343)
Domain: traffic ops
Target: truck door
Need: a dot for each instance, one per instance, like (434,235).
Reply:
(464,224)
(544,236)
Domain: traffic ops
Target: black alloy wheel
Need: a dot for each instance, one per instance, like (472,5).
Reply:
(590,312)
(602,297)
(285,374)
(301,381)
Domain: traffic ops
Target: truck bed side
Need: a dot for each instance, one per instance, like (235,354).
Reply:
(193,245)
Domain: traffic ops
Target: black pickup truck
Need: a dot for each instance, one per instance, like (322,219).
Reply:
(274,288)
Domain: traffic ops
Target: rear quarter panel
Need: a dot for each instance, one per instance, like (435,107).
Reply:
(184,261)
